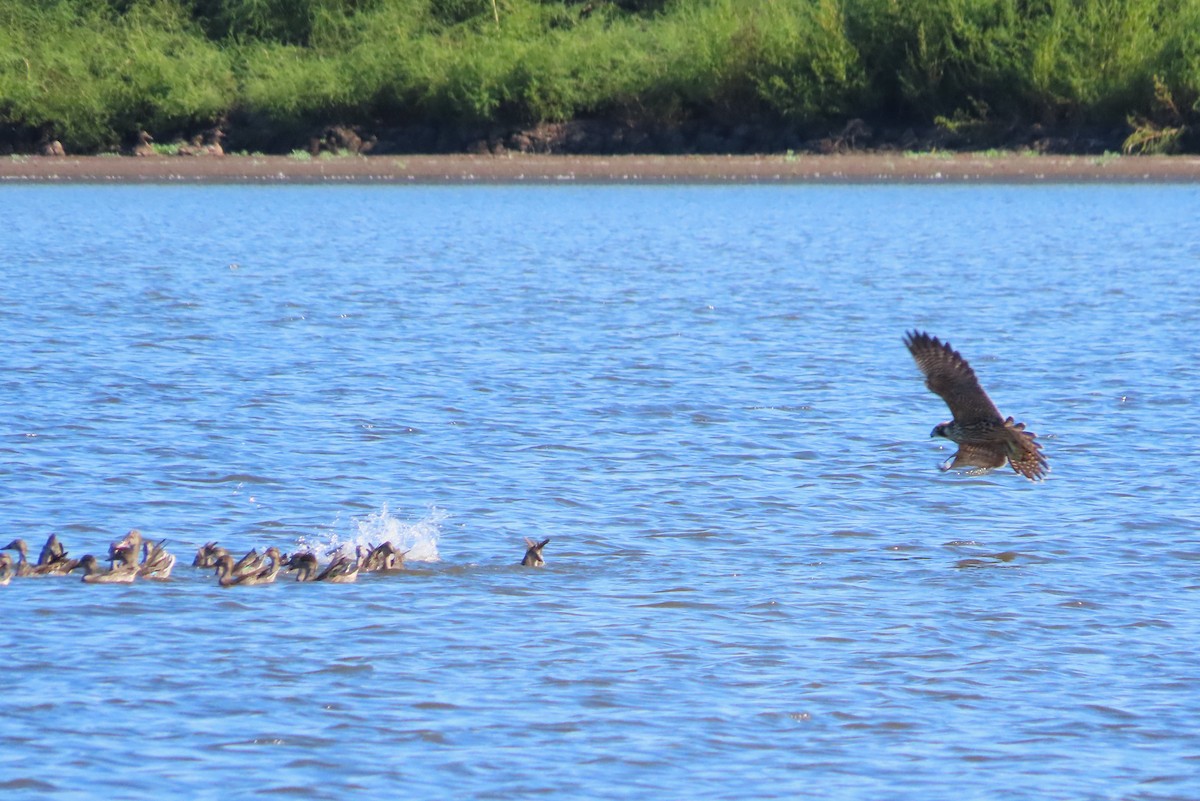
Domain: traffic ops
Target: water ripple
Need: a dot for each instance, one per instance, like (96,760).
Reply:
(757,584)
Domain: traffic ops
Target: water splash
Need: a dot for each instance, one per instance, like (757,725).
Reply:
(419,538)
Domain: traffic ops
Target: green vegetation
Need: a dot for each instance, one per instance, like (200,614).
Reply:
(92,73)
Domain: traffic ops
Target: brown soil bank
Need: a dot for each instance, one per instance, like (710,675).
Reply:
(526,168)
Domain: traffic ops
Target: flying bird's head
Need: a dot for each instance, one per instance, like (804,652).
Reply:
(940,430)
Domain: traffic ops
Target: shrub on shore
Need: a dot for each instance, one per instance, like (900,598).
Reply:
(94,72)
(91,77)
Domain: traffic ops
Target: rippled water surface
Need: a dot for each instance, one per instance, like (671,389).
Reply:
(758,583)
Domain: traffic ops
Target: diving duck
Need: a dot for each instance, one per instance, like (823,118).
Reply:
(266,574)
(228,574)
(343,570)
(94,574)
(127,550)
(52,551)
(23,568)
(50,147)
(145,145)
(252,562)
(208,554)
(533,556)
(277,561)
(53,561)
(382,559)
(227,577)
(305,565)
(157,562)
(212,143)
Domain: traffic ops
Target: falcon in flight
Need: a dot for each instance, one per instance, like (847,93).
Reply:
(985,439)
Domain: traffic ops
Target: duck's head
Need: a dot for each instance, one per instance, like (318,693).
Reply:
(17,545)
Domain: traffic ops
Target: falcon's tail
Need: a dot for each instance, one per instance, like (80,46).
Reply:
(1025,452)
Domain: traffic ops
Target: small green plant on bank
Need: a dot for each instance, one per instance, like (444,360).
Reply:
(1151,139)
(300,155)
(1157,137)
(166,148)
(974,126)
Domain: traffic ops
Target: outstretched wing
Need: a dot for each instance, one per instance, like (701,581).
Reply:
(983,455)
(949,376)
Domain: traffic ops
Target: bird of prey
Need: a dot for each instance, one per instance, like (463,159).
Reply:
(985,439)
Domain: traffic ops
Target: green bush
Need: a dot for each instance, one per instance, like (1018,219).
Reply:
(93,72)
(89,78)
(803,64)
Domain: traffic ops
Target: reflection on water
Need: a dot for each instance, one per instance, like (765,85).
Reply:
(758,583)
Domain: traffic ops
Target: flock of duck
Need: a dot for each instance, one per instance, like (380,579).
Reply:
(134,557)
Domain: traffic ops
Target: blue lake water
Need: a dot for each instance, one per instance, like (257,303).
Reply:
(758,584)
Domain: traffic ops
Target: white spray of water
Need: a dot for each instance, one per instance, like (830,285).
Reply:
(419,539)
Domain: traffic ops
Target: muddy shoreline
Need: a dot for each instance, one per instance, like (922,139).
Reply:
(889,167)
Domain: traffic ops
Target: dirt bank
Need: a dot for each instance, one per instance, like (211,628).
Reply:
(524,168)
